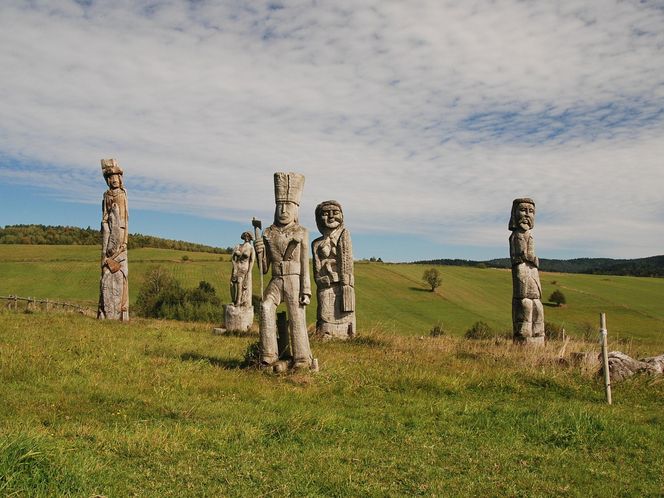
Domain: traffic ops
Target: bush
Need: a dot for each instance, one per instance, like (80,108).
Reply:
(252,355)
(557,297)
(438,330)
(553,331)
(185,257)
(480,330)
(162,296)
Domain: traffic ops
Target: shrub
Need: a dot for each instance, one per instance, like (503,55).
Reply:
(162,296)
(553,331)
(557,297)
(185,257)
(480,330)
(438,330)
(252,355)
(204,293)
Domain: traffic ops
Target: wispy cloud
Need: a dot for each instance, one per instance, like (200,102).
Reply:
(422,117)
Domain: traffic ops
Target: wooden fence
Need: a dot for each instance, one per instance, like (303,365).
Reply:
(33,304)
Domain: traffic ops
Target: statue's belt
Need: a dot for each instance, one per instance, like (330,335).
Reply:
(280,268)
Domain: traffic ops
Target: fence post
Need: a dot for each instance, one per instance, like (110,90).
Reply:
(605,356)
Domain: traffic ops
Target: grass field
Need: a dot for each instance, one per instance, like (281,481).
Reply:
(391,297)
(157,408)
(162,408)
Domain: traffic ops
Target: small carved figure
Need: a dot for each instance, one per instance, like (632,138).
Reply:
(239,316)
(333,273)
(114,288)
(527,309)
(284,246)
(243,259)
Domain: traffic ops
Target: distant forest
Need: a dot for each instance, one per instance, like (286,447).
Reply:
(60,235)
(642,267)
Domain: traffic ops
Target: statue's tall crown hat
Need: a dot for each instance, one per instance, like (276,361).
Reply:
(513,218)
(288,187)
(110,167)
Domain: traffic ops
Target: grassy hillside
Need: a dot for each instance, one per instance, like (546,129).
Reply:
(156,408)
(391,297)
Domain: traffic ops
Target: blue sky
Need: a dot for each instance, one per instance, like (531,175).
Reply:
(423,118)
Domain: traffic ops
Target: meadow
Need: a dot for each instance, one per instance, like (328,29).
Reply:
(391,297)
(164,408)
(156,408)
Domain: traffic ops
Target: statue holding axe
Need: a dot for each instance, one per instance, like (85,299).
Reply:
(284,246)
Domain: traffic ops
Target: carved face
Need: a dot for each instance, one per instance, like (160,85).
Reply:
(331,216)
(114,181)
(285,213)
(525,216)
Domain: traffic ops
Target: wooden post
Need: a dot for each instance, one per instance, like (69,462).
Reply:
(605,356)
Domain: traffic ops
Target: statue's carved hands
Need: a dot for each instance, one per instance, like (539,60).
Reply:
(305,299)
(259,246)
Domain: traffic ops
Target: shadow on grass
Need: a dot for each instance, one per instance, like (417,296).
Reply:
(228,364)
(551,305)
(420,289)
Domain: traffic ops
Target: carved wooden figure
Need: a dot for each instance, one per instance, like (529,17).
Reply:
(284,246)
(527,309)
(333,274)
(240,314)
(114,286)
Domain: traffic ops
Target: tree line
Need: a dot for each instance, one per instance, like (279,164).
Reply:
(641,267)
(66,235)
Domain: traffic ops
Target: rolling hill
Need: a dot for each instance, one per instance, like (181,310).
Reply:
(391,297)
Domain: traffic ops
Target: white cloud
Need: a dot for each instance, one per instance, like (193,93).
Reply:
(421,117)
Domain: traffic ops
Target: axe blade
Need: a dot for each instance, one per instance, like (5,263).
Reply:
(256,223)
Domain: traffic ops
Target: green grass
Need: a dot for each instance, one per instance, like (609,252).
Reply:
(161,408)
(391,297)
(158,408)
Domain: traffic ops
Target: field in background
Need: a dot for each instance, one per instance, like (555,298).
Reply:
(389,296)
(159,408)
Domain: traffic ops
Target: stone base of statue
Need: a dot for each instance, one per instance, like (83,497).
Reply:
(529,341)
(336,331)
(238,318)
